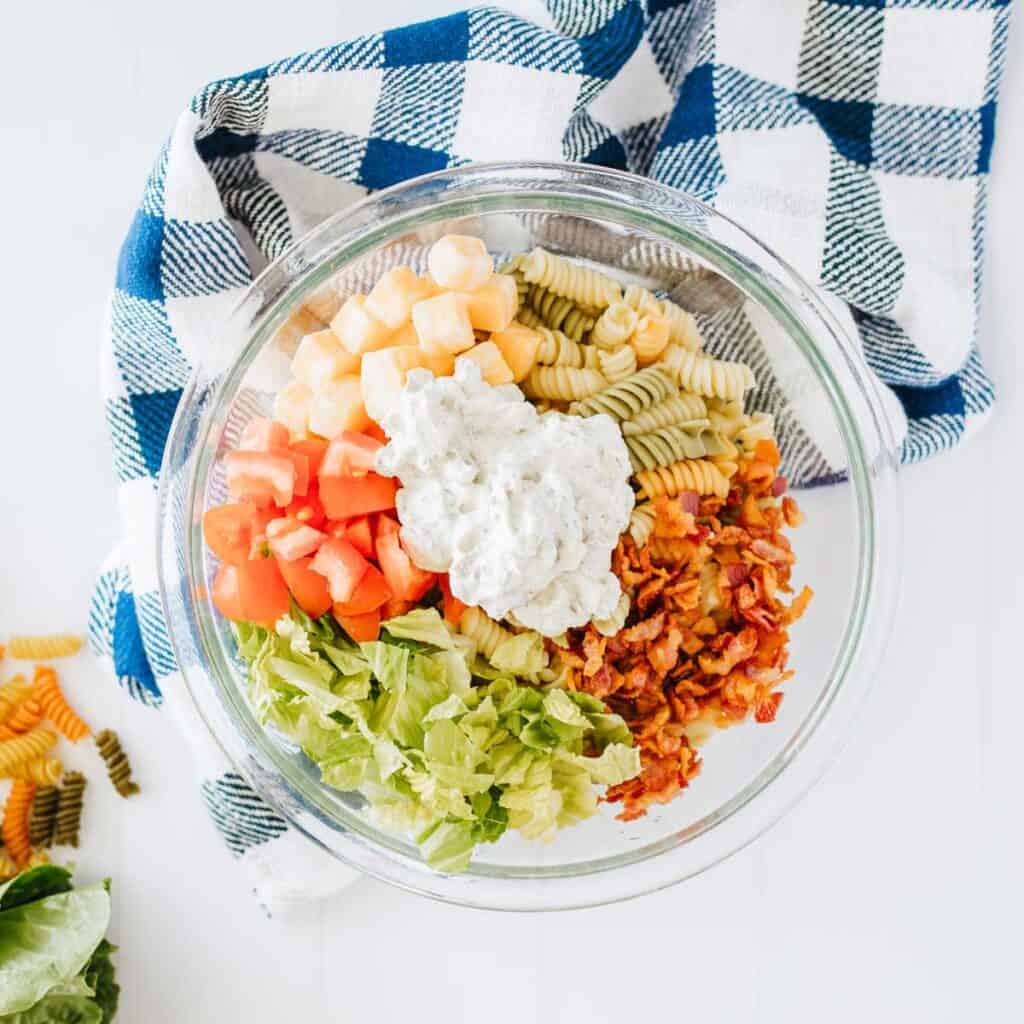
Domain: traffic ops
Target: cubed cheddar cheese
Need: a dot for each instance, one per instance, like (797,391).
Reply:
(322,357)
(459,262)
(442,323)
(337,407)
(359,330)
(394,295)
(291,407)
(295,328)
(493,367)
(518,345)
(383,376)
(493,305)
(324,302)
(405,335)
(439,362)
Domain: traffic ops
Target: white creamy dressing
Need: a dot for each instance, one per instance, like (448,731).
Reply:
(522,510)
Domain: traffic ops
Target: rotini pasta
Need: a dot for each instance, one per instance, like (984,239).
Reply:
(12,693)
(528,318)
(28,747)
(26,715)
(650,338)
(55,706)
(118,766)
(672,412)
(674,444)
(614,326)
(44,771)
(559,674)
(8,869)
(15,824)
(728,418)
(617,364)
(641,300)
(641,523)
(627,397)
(682,328)
(43,815)
(557,349)
(485,633)
(583,285)
(69,810)
(700,475)
(38,858)
(713,378)
(45,648)
(614,623)
(759,426)
(559,313)
(563,383)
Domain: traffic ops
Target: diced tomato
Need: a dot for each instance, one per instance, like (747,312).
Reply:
(308,588)
(362,628)
(383,524)
(314,449)
(376,431)
(453,607)
(260,477)
(360,535)
(345,497)
(350,454)
(225,593)
(262,592)
(406,580)
(229,531)
(395,607)
(301,464)
(263,435)
(343,566)
(307,509)
(372,592)
(289,539)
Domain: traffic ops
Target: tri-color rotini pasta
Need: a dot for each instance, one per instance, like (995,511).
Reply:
(55,706)
(614,326)
(119,768)
(485,633)
(679,410)
(617,364)
(627,397)
(557,349)
(564,383)
(559,313)
(69,810)
(674,444)
(641,523)
(43,815)
(14,828)
(33,744)
(44,771)
(565,277)
(27,714)
(12,693)
(45,647)
(699,475)
(703,375)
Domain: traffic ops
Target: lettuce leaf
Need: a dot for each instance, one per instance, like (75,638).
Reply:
(59,1009)
(424,625)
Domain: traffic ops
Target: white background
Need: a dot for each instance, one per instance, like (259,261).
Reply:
(893,893)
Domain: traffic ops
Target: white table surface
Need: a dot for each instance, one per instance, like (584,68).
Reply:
(892,893)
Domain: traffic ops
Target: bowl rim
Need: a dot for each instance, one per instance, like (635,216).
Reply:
(502,888)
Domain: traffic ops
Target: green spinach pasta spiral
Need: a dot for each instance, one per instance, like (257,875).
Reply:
(672,412)
(627,397)
(69,809)
(564,383)
(583,285)
(713,378)
(118,766)
(558,312)
(43,815)
(673,444)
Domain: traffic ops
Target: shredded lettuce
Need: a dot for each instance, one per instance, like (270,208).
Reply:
(442,746)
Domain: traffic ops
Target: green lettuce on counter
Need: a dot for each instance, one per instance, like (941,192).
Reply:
(444,746)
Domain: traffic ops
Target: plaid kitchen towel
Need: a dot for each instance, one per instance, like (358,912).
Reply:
(853,136)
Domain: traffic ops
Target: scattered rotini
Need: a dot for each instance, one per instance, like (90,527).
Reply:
(118,766)
(28,747)
(682,328)
(563,383)
(15,824)
(674,444)
(614,623)
(45,648)
(559,313)
(43,816)
(713,378)
(485,633)
(676,411)
(8,869)
(26,715)
(627,397)
(44,771)
(614,326)
(700,475)
(69,810)
(617,364)
(12,693)
(55,706)
(557,349)
(641,523)
(583,285)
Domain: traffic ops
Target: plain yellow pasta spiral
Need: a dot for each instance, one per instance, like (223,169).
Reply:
(614,623)
(24,748)
(675,411)
(614,326)
(564,383)
(700,475)
(44,771)
(12,693)
(43,648)
(649,339)
(728,418)
(682,328)
(759,426)
(641,523)
(617,364)
(485,633)
(557,349)
(674,444)
(713,378)
(641,300)
(583,285)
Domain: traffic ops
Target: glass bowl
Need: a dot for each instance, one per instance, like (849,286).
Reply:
(833,425)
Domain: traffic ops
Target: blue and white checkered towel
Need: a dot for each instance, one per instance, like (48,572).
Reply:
(853,136)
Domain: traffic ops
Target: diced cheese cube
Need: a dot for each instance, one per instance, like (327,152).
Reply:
(324,302)
(291,407)
(518,345)
(295,328)
(322,357)
(405,335)
(493,367)
(493,305)
(359,330)
(338,407)
(439,362)
(459,262)
(443,324)
(383,376)
(394,294)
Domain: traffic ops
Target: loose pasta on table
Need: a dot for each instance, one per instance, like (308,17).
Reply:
(119,768)
(27,747)
(55,706)
(43,815)
(45,647)
(44,771)
(14,829)
(12,693)
(69,810)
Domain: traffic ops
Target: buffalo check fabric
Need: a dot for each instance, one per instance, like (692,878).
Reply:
(853,136)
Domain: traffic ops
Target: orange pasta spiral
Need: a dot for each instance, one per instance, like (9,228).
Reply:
(55,705)
(25,717)
(15,823)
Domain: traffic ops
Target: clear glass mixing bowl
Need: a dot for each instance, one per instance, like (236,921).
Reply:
(811,373)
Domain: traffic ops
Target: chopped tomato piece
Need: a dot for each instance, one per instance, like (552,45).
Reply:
(406,580)
(372,592)
(360,535)
(376,431)
(260,477)
(350,454)
(314,449)
(383,524)
(301,464)
(263,435)
(395,607)
(229,531)
(308,588)
(289,539)
(343,566)
(307,509)
(362,628)
(453,607)
(262,592)
(345,497)
(225,593)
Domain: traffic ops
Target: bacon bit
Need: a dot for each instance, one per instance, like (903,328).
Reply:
(645,631)
(791,512)
(690,502)
(772,553)
(766,710)
(663,654)
(671,519)
(800,603)
(593,649)
(735,574)
(779,487)
(603,682)
(751,514)
(768,451)
(736,648)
